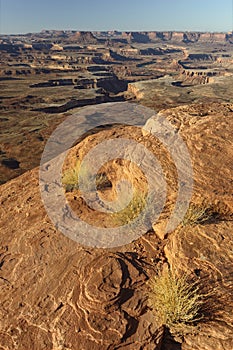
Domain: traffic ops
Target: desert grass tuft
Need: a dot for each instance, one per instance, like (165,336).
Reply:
(70,178)
(176,302)
(198,214)
(132,211)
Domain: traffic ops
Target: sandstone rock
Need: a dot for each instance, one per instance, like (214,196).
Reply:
(58,294)
(83,37)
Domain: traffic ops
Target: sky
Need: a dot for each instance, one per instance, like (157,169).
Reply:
(24,16)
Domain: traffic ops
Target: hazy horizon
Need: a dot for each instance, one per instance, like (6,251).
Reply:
(117,30)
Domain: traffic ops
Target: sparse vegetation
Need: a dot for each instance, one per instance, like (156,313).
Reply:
(132,211)
(176,302)
(70,178)
(198,214)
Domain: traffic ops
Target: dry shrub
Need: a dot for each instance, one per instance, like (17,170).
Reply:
(132,211)
(70,178)
(176,302)
(198,214)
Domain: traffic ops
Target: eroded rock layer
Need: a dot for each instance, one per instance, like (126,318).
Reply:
(57,294)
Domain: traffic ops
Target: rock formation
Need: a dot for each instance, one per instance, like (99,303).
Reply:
(83,38)
(58,294)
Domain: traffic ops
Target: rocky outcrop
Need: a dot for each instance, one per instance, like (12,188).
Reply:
(73,103)
(83,38)
(110,83)
(197,77)
(56,82)
(213,37)
(188,37)
(200,57)
(41,46)
(111,56)
(58,294)
(229,37)
(191,37)
(137,37)
(178,36)
(56,41)
(158,51)
(134,90)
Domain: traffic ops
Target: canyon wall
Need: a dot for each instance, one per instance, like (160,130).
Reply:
(145,37)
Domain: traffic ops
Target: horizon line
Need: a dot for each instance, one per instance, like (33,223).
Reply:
(120,31)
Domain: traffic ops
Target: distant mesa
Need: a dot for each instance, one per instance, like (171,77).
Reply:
(192,37)
(200,57)
(55,39)
(138,37)
(83,37)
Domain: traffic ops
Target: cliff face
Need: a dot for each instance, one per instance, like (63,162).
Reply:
(134,90)
(83,38)
(191,37)
(138,37)
(197,77)
(178,37)
(87,37)
(213,37)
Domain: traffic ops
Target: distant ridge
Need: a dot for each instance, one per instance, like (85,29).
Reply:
(93,37)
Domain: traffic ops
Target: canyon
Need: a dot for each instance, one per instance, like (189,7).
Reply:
(57,71)
(57,293)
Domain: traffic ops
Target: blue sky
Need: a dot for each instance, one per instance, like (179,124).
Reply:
(22,16)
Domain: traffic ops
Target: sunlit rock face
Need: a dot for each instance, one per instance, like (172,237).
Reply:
(57,293)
